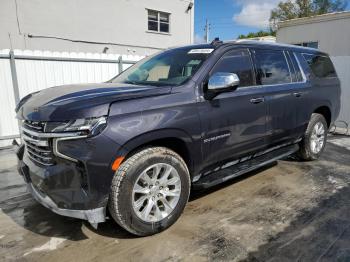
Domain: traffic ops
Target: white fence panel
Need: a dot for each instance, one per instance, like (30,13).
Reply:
(342,66)
(37,70)
(8,122)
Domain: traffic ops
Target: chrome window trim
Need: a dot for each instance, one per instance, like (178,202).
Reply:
(301,69)
(290,72)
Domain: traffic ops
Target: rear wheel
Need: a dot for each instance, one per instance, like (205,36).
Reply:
(315,138)
(149,191)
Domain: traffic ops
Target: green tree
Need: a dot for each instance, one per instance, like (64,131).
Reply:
(304,8)
(260,33)
(327,6)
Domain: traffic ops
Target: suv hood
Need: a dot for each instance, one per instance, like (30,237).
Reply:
(68,102)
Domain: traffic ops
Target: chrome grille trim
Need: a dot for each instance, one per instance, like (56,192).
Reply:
(49,135)
(34,125)
(40,146)
(34,141)
(40,162)
(40,150)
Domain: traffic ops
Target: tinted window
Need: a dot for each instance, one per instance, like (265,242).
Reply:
(295,69)
(238,62)
(321,66)
(272,67)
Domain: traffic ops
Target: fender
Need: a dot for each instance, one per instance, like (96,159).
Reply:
(163,134)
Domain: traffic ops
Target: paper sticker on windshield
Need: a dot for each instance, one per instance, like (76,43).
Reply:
(201,51)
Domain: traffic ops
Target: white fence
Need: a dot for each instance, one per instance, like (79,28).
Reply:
(342,66)
(23,72)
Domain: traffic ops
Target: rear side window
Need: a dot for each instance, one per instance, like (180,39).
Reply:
(238,62)
(294,67)
(272,67)
(321,66)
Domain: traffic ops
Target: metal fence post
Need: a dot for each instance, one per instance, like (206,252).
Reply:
(14,82)
(120,64)
(14,76)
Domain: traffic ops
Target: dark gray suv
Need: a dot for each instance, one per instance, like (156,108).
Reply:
(189,117)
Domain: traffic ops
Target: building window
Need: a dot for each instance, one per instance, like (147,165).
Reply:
(309,44)
(158,21)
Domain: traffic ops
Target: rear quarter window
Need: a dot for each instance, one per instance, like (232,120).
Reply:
(321,66)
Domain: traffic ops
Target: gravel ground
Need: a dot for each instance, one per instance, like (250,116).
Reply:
(289,211)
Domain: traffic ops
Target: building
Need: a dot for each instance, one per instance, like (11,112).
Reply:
(111,26)
(329,33)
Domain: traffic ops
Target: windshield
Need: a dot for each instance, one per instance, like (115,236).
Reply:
(172,67)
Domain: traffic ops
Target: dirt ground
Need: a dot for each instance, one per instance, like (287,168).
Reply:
(290,211)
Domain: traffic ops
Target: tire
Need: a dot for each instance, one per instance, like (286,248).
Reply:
(134,175)
(307,150)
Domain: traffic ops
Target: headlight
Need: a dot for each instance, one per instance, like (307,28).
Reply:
(88,126)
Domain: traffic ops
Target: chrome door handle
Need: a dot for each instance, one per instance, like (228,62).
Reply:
(297,94)
(257,100)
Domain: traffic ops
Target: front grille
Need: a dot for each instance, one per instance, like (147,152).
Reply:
(38,147)
(36,126)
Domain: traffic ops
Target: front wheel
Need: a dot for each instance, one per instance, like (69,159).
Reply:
(315,138)
(149,191)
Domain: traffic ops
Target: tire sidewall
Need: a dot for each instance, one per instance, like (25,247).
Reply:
(125,198)
(316,119)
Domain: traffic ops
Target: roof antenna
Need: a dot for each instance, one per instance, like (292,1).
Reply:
(216,42)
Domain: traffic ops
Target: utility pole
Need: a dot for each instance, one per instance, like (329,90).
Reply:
(207,29)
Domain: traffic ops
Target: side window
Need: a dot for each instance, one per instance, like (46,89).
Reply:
(321,66)
(294,66)
(272,67)
(238,62)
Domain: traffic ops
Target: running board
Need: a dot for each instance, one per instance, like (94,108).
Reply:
(241,168)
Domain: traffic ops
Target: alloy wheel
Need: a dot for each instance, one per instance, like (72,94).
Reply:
(156,192)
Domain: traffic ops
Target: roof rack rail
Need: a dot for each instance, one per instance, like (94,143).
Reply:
(216,42)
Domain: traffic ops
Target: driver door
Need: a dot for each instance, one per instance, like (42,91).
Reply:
(234,122)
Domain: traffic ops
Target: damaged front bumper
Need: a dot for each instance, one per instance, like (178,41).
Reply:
(94,216)
(78,189)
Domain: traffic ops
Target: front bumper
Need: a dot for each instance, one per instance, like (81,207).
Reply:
(94,216)
(78,189)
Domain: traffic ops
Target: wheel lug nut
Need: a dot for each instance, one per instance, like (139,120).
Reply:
(157,183)
(160,187)
(159,195)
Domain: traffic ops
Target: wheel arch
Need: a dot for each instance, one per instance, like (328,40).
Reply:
(326,113)
(174,139)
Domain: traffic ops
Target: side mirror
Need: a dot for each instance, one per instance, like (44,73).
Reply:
(221,82)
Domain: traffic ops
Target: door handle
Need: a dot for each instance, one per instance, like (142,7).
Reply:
(297,94)
(257,100)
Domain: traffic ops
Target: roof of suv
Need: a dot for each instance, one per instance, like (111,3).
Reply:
(254,43)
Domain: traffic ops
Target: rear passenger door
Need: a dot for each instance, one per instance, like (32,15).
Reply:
(274,74)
